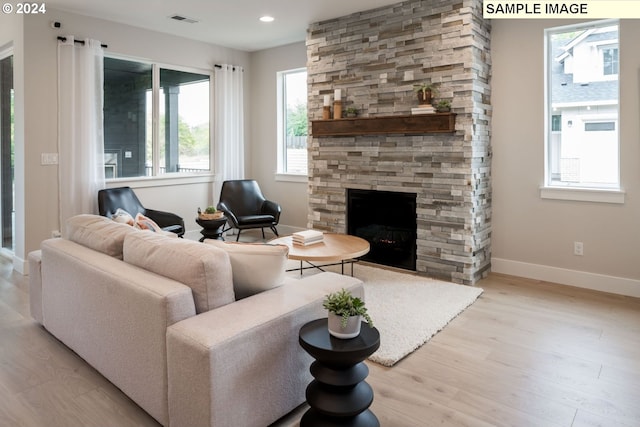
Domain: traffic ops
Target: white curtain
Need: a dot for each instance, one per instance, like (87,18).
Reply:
(229,123)
(80,127)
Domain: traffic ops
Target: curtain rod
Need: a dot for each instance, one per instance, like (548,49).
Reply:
(64,39)
(220,66)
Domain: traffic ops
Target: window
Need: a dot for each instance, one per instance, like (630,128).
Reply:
(292,122)
(7,153)
(156,120)
(610,61)
(599,126)
(582,148)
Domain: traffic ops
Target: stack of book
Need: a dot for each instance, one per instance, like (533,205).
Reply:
(423,109)
(307,237)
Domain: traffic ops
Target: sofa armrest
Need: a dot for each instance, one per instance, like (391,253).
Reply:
(115,316)
(35,285)
(246,355)
(222,206)
(272,208)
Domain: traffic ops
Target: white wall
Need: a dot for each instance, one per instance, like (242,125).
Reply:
(292,196)
(533,237)
(39,215)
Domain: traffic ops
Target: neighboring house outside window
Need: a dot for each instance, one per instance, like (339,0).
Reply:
(156,120)
(292,122)
(582,106)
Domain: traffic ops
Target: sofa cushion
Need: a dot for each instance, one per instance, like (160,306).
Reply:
(204,268)
(98,233)
(256,267)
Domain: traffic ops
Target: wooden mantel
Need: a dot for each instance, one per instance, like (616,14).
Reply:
(413,124)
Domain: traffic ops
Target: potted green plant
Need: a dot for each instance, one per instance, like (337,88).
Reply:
(443,106)
(345,313)
(351,112)
(425,92)
(209,213)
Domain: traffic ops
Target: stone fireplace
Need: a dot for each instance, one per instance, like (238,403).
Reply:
(375,58)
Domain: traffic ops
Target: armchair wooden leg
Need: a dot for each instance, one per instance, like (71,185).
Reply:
(275,231)
(238,236)
(262,233)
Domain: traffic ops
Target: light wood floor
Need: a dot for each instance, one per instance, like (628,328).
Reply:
(526,353)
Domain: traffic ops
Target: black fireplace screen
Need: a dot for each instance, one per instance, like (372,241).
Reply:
(387,220)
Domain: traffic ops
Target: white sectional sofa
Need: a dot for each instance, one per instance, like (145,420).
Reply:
(158,317)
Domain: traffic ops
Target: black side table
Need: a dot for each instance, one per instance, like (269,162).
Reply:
(211,228)
(338,396)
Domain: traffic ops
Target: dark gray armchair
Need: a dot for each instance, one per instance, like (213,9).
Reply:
(110,199)
(245,206)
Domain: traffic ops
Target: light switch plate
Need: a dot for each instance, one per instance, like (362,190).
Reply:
(49,159)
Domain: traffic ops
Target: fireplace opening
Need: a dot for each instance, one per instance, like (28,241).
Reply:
(387,220)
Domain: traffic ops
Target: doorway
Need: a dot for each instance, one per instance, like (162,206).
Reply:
(7,153)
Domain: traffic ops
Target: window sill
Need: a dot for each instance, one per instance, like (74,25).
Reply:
(289,177)
(583,194)
(160,181)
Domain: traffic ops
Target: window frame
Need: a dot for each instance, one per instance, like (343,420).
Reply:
(171,177)
(6,249)
(282,173)
(582,191)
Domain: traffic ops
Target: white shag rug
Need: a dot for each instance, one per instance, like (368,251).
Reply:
(408,309)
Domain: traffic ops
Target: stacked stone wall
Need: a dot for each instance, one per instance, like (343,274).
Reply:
(376,57)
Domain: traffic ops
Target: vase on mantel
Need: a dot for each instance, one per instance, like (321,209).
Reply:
(424,97)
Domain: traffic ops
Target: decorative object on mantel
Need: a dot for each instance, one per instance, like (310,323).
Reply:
(337,104)
(345,312)
(443,106)
(423,109)
(210,213)
(351,112)
(326,108)
(425,91)
(418,124)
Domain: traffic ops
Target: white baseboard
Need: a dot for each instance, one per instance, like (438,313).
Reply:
(563,276)
(21,266)
(285,230)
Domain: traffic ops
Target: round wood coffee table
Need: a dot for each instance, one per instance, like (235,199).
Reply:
(335,249)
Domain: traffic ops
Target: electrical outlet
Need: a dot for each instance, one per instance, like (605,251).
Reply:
(578,248)
(56,234)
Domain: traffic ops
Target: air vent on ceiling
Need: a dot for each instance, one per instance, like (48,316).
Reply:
(183,18)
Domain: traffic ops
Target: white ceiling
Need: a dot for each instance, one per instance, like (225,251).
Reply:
(226,23)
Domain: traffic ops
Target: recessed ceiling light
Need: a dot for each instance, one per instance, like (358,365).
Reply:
(267,18)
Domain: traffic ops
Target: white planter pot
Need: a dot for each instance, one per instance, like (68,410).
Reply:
(352,329)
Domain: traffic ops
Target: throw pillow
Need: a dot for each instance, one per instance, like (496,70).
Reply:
(256,267)
(205,269)
(123,217)
(145,223)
